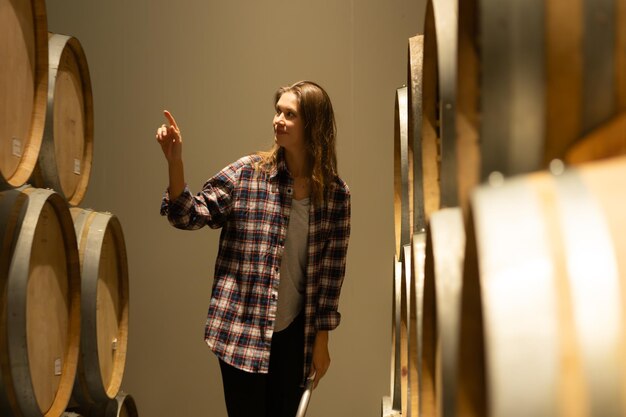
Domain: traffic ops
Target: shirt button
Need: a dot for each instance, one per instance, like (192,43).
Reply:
(274,295)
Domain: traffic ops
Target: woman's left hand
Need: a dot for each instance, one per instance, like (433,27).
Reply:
(321,357)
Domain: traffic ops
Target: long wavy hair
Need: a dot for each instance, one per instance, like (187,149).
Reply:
(320,132)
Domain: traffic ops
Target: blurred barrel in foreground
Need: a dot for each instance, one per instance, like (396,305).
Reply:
(498,97)
(544,296)
(544,89)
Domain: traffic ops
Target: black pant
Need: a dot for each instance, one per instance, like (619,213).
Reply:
(277,393)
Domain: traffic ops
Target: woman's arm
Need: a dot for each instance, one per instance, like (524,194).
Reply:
(333,263)
(321,356)
(171,142)
(184,211)
(331,280)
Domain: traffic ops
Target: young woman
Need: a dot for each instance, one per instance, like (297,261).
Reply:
(285,220)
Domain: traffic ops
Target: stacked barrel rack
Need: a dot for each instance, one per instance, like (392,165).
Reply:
(509,295)
(63,269)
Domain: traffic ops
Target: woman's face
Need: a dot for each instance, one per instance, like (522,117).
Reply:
(288,124)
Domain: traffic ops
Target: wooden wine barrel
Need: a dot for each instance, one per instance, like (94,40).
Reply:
(438,144)
(444,267)
(126,407)
(40,287)
(544,296)
(104,307)
(23,88)
(414,75)
(407,283)
(467,115)
(123,405)
(64,162)
(402,173)
(396,338)
(450,146)
(416,296)
(415,58)
(403,226)
(401,388)
(429,337)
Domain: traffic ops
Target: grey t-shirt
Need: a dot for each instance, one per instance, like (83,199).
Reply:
(293,265)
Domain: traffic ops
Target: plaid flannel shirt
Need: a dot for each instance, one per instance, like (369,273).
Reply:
(252,207)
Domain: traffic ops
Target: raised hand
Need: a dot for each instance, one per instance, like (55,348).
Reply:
(172,145)
(170,139)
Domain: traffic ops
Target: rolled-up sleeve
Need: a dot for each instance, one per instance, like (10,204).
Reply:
(210,207)
(333,266)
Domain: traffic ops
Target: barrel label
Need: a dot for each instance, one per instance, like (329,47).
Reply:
(76,166)
(17,147)
(57,367)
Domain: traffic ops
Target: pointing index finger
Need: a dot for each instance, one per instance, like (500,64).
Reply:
(170,118)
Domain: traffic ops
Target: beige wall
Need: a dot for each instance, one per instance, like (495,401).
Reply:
(215,65)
